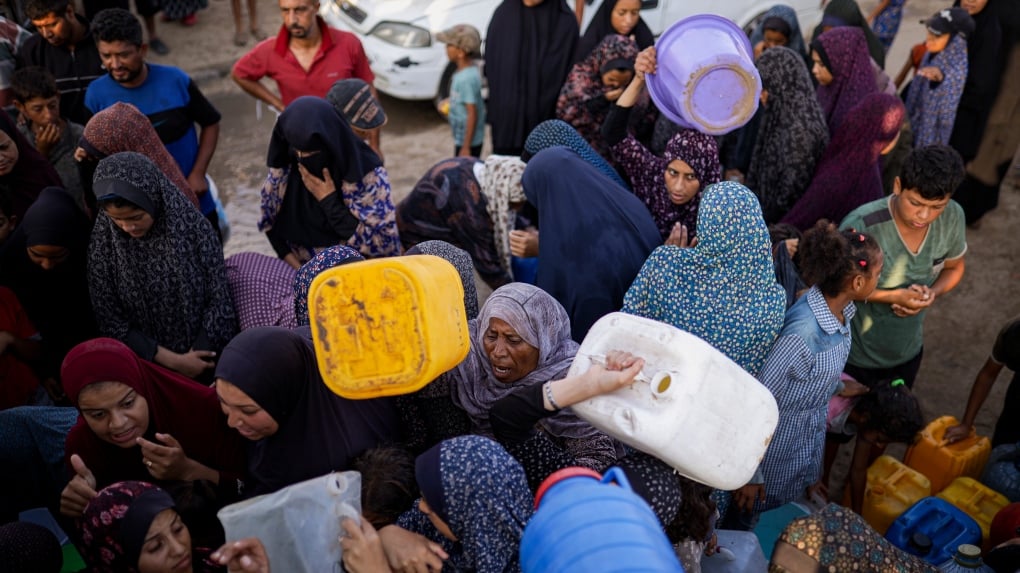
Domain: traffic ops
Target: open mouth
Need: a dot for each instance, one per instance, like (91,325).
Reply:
(500,372)
(124,437)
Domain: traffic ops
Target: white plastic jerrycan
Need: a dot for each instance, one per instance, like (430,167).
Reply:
(691,406)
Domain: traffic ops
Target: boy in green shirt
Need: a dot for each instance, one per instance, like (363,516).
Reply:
(922,234)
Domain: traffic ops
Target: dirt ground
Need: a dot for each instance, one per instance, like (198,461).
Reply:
(960,328)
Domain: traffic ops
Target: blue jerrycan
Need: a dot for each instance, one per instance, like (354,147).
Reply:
(585,522)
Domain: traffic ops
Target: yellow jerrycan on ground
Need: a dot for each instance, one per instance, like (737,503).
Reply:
(892,489)
(942,462)
(387,326)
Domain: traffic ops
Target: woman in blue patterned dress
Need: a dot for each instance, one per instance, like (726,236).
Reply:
(885,20)
(803,369)
(723,288)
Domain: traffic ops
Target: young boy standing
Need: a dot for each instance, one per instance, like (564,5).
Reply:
(467,108)
(38,103)
(922,235)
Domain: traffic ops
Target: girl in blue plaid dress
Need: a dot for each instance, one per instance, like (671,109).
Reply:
(803,368)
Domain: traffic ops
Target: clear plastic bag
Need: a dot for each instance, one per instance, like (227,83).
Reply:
(300,524)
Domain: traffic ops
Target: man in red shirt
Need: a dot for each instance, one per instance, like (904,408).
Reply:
(305,58)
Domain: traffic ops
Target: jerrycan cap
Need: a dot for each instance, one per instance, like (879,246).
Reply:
(560,475)
(921,542)
(967,554)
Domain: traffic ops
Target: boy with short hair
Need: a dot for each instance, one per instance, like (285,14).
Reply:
(466,106)
(922,235)
(37,100)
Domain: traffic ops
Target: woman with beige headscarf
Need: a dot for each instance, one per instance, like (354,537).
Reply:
(470,204)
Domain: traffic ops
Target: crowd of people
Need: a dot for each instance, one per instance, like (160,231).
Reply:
(148,381)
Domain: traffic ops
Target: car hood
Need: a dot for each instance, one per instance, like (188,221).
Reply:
(432,15)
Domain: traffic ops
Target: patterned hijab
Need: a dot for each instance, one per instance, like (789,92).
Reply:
(932,107)
(849,174)
(501,185)
(844,51)
(558,133)
(324,260)
(792,134)
(541,322)
(722,290)
(788,15)
(169,285)
(481,492)
(263,290)
(121,127)
(461,261)
(116,521)
(584,84)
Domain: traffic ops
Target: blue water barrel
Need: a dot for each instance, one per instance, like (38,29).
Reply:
(586,522)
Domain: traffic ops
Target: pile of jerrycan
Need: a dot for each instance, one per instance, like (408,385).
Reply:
(936,504)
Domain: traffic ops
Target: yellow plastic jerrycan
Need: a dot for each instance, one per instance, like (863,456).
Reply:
(941,462)
(976,500)
(387,326)
(892,488)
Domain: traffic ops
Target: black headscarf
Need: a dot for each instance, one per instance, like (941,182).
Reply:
(586,217)
(167,288)
(56,300)
(602,25)
(847,13)
(528,52)
(985,55)
(319,432)
(312,124)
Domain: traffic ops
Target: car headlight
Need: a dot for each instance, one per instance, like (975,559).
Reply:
(403,35)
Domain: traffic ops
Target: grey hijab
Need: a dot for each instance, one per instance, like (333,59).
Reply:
(543,323)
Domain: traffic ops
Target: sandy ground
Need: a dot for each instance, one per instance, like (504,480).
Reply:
(960,328)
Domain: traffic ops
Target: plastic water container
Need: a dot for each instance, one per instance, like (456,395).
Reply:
(1002,473)
(586,522)
(1005,525)
(739,552)
(940,462)
(299,525)
(773,522)
(691,406)
(966,560)
(387,326)
(706,78)
(976,499)
(892,489)
(945,525)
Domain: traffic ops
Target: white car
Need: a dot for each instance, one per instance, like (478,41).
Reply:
(399,35)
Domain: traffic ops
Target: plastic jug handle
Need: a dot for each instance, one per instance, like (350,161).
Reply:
(600,359)
(616,474)
(727,554)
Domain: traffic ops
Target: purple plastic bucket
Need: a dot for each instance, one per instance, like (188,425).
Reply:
(706,78)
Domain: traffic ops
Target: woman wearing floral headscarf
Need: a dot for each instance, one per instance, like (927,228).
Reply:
(791,136)
(723,289)
(936,88)
(475,493)
(594,84)
(469,204)
(671,185)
